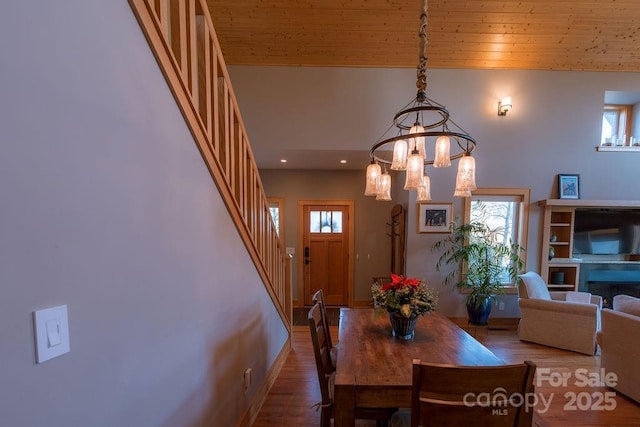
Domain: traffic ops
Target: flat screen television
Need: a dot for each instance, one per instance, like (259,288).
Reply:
(606,231)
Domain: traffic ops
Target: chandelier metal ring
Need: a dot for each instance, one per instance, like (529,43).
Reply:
(401,116)
(466,148)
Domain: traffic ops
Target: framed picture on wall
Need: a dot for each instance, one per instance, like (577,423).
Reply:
(568,186)
(435,217)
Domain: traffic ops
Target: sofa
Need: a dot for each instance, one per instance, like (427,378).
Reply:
(619,342)
(548,318)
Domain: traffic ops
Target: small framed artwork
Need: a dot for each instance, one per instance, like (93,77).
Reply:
(435,217)
(568,186)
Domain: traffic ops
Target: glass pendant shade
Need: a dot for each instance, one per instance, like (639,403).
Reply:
(443,148)
(373,179)
(384,190)
(418,142)
(462,193)
(466,178)
(468,167)
(424,191)
(415,171)
(399,162)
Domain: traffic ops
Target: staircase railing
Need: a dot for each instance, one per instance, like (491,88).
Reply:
(184,42)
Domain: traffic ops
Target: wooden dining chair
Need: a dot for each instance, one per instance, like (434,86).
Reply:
(318,298)
(448,395)
(326,374)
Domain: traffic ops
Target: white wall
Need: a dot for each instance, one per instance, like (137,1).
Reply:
(553,128)
(106,206)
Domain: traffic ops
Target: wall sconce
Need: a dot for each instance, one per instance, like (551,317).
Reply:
(504,105)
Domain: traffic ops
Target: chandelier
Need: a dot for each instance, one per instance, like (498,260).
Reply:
(418,123)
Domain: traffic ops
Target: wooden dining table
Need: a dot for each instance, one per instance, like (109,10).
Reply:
(374,369)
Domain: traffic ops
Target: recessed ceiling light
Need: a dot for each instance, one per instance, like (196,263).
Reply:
(283,160)
(343,161)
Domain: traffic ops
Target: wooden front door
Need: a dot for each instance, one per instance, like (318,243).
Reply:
(326,252)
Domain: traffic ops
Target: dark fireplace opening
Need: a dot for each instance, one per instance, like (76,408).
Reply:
(609,283)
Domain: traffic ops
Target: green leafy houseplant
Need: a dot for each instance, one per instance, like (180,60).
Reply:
(482,259)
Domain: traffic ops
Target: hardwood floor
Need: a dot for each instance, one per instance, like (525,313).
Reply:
(291,399)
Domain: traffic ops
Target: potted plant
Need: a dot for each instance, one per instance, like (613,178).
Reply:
(404,299)
(484,264)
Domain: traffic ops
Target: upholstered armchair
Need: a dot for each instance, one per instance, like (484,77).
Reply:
(548,318)
(619,345)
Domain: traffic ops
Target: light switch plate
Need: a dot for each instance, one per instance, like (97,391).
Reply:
(51,330)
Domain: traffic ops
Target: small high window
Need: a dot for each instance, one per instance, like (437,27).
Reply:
(616,125)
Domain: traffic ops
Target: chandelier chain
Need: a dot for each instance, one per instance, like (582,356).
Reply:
(421,83)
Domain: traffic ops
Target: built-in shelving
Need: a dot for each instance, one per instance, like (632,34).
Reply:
(557,268)
(585,203)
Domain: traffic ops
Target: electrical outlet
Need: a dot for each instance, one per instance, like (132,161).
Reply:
(247,380)
(501,305)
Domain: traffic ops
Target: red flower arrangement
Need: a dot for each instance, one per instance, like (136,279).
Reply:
(410,297)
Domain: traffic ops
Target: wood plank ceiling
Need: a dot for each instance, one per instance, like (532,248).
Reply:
(596,35)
